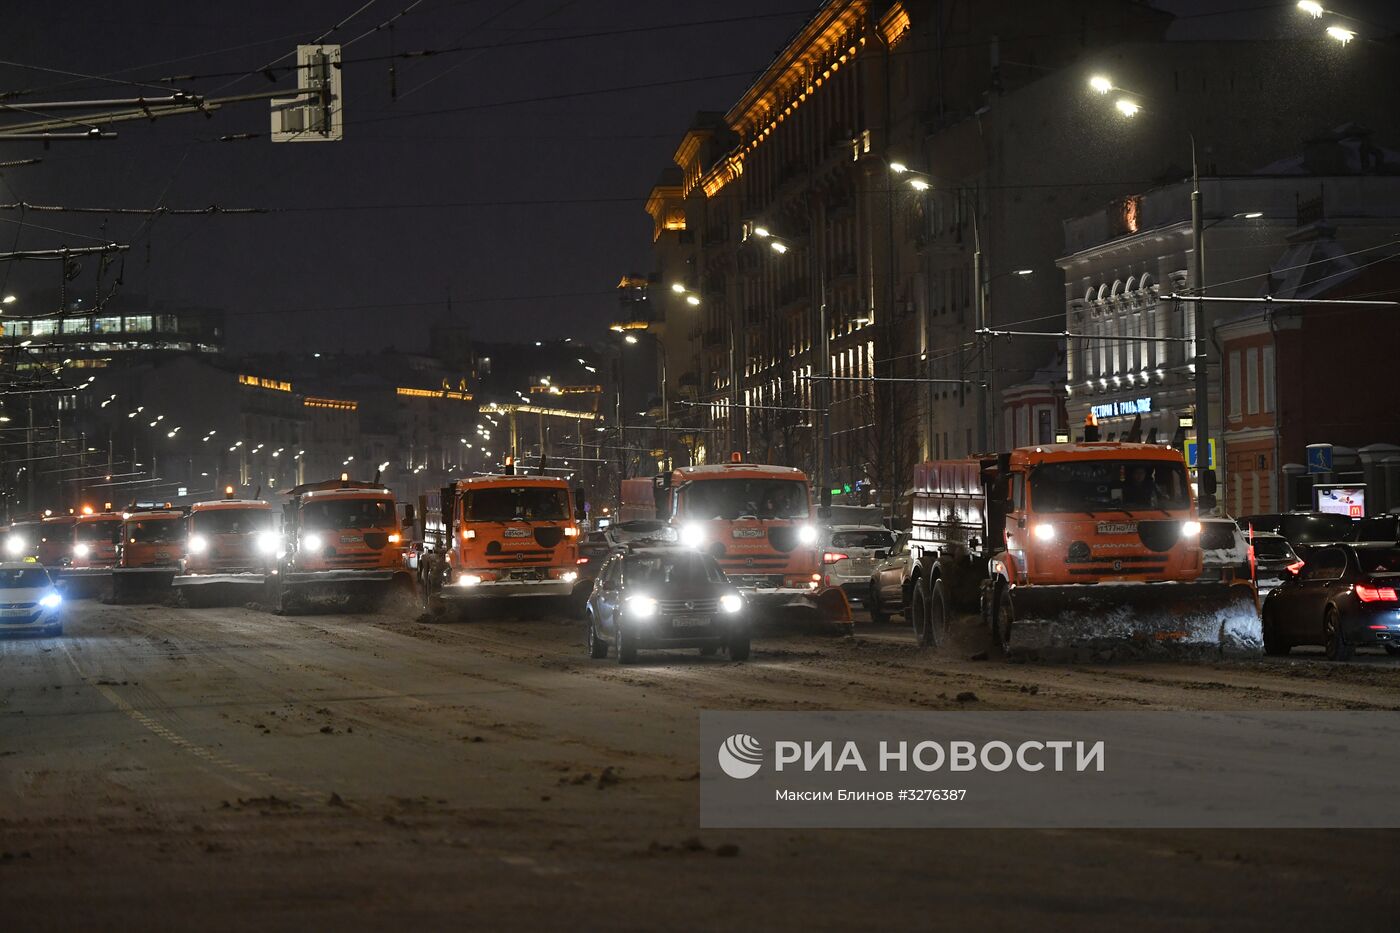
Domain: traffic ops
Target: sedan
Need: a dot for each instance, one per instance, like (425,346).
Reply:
(1340,596)
(29,600)
(665,597)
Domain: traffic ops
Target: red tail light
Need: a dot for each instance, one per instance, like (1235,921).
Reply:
(1375,594)
(1295,568)
(581,561)
(831,557)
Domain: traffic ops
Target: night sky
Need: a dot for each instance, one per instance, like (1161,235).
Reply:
(526,214)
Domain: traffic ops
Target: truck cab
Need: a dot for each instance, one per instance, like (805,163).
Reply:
(496,536)
(55,546)
(149,548)
(339,538)
(22,540)
(757,521)
(229,542)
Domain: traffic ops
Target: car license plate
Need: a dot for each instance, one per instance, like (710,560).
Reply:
(1117,528)
(690,621)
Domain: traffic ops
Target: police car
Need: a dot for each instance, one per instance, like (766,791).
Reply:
(29,600)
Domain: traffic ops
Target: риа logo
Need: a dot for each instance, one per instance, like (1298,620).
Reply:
(741,756)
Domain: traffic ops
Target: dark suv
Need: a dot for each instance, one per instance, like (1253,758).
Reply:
(1301,528)
(665,597)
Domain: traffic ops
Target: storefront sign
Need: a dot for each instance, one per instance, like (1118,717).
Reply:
(1132,406)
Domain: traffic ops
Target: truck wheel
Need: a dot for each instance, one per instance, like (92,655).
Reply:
(940,614)
(1002,620)
(1335,643)
(918,612)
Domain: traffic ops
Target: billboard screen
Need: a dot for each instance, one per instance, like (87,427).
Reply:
(1338,499)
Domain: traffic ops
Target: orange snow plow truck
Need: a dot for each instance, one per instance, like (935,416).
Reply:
(499,536)
(1066,545)
(341,540)
(229,546)
(759,524)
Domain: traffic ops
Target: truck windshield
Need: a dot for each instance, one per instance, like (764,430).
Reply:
(517,504)
(741,498)
(1109,485)
(232,521)
(335,514)
(93,532)
(159,531)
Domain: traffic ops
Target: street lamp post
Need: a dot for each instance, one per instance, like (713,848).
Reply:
(1206,487)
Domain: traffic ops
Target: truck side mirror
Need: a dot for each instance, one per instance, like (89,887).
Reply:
(410,515)
(580,508)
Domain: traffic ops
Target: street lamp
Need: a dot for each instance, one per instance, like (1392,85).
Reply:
(1198,272)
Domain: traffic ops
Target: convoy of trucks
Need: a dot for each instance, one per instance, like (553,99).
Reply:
(1050,545)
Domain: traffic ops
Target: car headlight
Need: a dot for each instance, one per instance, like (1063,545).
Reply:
(14,545)
(692,535)
(731,602)
(641,607)
(1190,529)
(198,544)
(312,541)
(468,579)
(268,541)
(81,550)
(1044,532)
(51,601)
(806,534)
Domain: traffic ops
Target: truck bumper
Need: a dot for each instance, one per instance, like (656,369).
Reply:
(248,578)
(318,577)
(506,589)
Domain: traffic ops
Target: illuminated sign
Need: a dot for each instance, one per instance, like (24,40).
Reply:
(1132,406)
(434,393)
(312,401)
(1337,499)
(259,382)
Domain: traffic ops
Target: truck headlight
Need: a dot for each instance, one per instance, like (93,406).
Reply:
(81,550)
(51,601)
(14,544)
(731,603)
(569,576)
(198,544)
(641,607)
(1190,529)
(268,541)
(806,534)
(468,579)
(692,535)
(1044,532)
(312,541)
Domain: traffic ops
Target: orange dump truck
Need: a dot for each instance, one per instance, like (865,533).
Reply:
(55,546)
(341,539)
(758,522)
(22,539)
(230,544)
(150,545)
(500,536)
(1064,544)
(94,552)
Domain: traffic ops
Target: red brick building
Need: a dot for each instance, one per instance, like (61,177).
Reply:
(1295,375)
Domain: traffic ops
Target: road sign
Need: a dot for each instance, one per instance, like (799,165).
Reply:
(316,113)
(1191,454)
(1319,458)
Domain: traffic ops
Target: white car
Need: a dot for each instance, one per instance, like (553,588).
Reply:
(849,554)
(29,600)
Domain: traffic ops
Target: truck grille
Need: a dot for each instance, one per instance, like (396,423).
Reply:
(669,606)
(521,558)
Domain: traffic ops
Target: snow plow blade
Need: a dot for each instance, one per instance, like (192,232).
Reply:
(1131,619)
